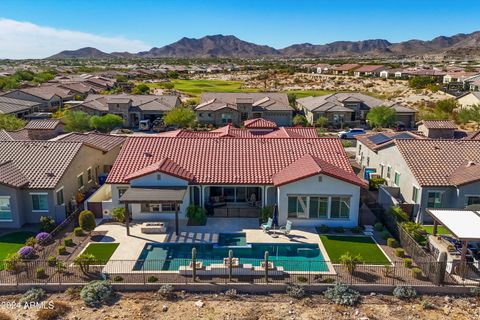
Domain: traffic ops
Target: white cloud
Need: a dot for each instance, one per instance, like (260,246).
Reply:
(21,40)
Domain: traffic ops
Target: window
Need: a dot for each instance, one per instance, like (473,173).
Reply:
(297,207)
(159,177)
(471,200)
(229,194)
(241,194)
(415,193)
(318,208)
(368,161)
(434,199)
(226,118)
(89,174)
(396,179)
(161,207)
(121,191)
(80,183)
(168,207)
(39,202)
(59,197)
(359,148)
(5,210)
(340,208)
(389,171)
(382,169)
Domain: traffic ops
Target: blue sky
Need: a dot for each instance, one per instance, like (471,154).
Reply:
(138,24)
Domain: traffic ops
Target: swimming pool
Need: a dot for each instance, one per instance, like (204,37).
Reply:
(293,257)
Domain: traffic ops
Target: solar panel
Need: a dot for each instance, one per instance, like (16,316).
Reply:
(379,138)
(402,135)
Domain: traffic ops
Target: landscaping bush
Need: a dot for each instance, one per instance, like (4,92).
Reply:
(231,293)
(385,234)
(399,214)
(118,278)
(32,295)
(40,273)
(61,250)
(404,292)
(407,262)
(416,231)
(25,252)
(267,212)
(152,279)
(302,279)
(30,242)
(388,271)
(378,226)
(374,183)
(12,262)
(42,237)
(343,295)
(166,291)
(350,262)
(119,214)
(324,229)
(399,252)
(392,242)
(68,242)
(78,232)
(96,293)
(52,261)
(339,229)
(59,310)
(60,266)
(356,230)
(197,216)
(416,273)
(84,261)
(47,224)
(295,291)
(86,220)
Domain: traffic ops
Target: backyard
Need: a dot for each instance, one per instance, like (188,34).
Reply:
(440,230)
(12,242)
(101,251)
(196,87)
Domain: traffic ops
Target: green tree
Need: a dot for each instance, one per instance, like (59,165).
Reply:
(141,88)
(447,105)
(172,74)
(168,85)
(84,261)
(10,122)
(300,120)
(321,122)
(86,220)
(350,262)
(77,121)
(381,116)
(292,100)
(180,116)
(421,82)
(470,114)
(42,77)
(106,123)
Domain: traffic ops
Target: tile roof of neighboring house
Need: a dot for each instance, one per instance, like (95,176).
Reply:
(465,174)
(12,105)
(11,176)
(438,124)
(369,68)
(376,141)
(165,165)
(43,163)
(346,67)
(103,142)
(79,87)
(225,161)
(47,92)
(335,101)
(259,123)
(261,101)
(473,135)
(308,166)
(143,102)
(42,124)
(292,132)
(434,162)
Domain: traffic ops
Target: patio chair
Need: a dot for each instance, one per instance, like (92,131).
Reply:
(286,228)
(267,226)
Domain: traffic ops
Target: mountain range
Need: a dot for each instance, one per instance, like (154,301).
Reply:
(228,46)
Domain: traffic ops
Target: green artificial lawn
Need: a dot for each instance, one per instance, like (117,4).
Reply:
(336,246)
(440,230)
(12,242)
(101,251)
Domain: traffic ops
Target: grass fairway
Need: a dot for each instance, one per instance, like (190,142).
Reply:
(101,251)
(308,93)
(196,87)
(365,246)
(440,230)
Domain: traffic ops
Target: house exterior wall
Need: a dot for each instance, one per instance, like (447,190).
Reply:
(468,100)
(312,186)
(281,118)
(436,133)
(16,207)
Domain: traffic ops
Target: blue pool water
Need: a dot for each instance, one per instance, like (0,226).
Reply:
(169,257)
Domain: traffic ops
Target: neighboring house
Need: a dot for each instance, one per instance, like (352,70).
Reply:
(38,129)
(349,108)
(50,97)
(17,107)
(368,70)
(437,129)
(42,178)
(323,68)
(220,108)
(392,73)
(311,180)
(458,76)
(469,99)
(436,74)
(132,108)
(344,69)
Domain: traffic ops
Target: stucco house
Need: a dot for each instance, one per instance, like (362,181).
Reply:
(42,178)
(310,179)
(49,97)
(369,70)
(18,107)
(469,99)
(221,108)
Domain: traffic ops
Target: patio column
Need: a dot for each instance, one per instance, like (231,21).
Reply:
(176,219)
(463,260)
(127,218)
(435,226)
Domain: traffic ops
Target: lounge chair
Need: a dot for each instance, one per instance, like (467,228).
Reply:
(267,226)
(285,229)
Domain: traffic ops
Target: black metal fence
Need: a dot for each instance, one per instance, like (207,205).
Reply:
(181,271)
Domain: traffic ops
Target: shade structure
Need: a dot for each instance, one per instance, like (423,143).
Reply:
(464,224)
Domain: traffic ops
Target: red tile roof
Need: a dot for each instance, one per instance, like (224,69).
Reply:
(259,123)
(369,68)
(226,161)
(465,174)
(292,132)
(166,166)
(438,124)
(308,166)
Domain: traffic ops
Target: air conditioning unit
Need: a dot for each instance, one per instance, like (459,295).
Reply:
(106,212)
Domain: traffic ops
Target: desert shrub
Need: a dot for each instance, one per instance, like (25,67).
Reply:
(399,252)
(78,232)
(60,266)
(40,273)
(84,261)
(404,292)
(416,273)
(68,242)
(119,214)
(302,279)
(392,242)
(196,215)
(387,271)
(295,291)
(378,226)
(59,310)
(86,220)
(52,261)
(267,212)
(324,229)
(61,250)
(47,224)
(96,293)
(166,291)
(118,278)
(416,231)
(25,252)
(399,214)
(32,295)
(407,262)
(385,234)
(42,237)
(12,262)
(426,305)
(152,279)
(30,242)
(350,262)
(231,293)
(343,295)
(374,183)
(347,143)
(339,229)
(357,230)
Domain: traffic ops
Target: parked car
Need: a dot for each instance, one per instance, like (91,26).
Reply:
(350,133)
(144,125)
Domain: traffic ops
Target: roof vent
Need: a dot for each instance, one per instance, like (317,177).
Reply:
(50,174)
(470,163)
(147,154)
(436,147)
